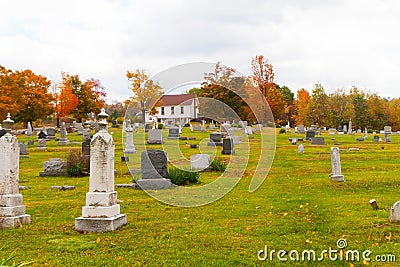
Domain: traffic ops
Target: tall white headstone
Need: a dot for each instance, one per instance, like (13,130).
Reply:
(101,213)
(350,130)
(336,165)
(129,146)
(12,212)
(63,139)
(29,130)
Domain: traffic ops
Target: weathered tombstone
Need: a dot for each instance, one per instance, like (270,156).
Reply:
(101,212)
(22,149)
(51,133)
(31,142)
(320,141)
(154,137)
(54,167)
(79,128)
(259,127)
(394,216)
(203,129)
(360,139)
(63,139)
(388,131)
(211,127)
(332,131)
(249,130)
(41,144)
(86,149)
(173,133)
(42,135)
(340,128)
(310,134)
(215,139)
(300,129)
(313,128)
(196,127)
(129,146)
(365,133)
(199,161)
(376,139)
(29,129)
(12,211)
(224,129)
(336,165)
(300,149)
(350,130)
(227,147)
(154,171)
(86,134)
(294,141)
(387,138)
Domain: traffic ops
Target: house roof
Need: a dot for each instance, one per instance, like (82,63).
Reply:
(173,100)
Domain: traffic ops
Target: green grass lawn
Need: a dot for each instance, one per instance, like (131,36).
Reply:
(296,208)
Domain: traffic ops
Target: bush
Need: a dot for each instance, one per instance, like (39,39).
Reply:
(218,165)
(77,166)
(186,125)
(282,131)
(278,126)
(370,131)
(182,177)
(160,126)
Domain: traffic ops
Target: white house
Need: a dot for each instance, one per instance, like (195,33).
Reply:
(177,109)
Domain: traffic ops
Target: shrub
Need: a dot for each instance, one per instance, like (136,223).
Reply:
(182,177)
(370,131)
(282,131)
(218,165)
(77,165)
(186,125)
(160,126)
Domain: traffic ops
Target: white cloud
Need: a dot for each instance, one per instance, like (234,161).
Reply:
(337,43)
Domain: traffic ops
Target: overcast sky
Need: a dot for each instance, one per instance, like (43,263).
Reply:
(336,43)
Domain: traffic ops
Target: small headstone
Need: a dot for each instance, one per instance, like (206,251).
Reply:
(203,129)
(41,144)
(29,130)
(197,127)
(387,138)
(22,149)
(227,146)
(215,139)
(300,149)
(51,133)
(192,138)
(300,129)
(236,140)
(366,134)
(86,134)
(42,135)
(199,161)
(31,142)
(318,141)
(376,139)
(374,204)
(211,127)
(310,134)
(343,128)
(53,167)
(63,187)
(173,133)
(129,145)
(354,149)
(350,130)
(63,139)
(193,146)
(336,165)
(332,131)
(360,139)
(294,141)
(154,136)
(154,171)
(387,129)
(394,216)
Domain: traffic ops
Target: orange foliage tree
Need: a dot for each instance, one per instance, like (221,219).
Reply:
(66,100)
(302,106)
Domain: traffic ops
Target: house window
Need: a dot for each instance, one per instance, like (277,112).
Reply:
(182,110)
(172,110)
(162,111)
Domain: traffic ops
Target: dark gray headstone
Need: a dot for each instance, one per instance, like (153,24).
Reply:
(227,147)
(86,148)
(310,134)
(22,149)
(318,141)
(376,139)
(42,135)
(215,139)
(154,164)
(31,142)
(173,133)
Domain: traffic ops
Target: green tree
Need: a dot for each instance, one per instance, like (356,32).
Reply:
(146,93)
(319,106)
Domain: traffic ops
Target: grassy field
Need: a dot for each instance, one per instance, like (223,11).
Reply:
(296,208)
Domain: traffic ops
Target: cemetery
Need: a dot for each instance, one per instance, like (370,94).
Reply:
(316,192)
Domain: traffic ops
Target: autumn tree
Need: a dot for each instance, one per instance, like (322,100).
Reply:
(146,92)
(318,113)
(263,77)
(288,115)
(361,115)
(378,109)
(302,106)
(341,108)
(66,100)
(394,114)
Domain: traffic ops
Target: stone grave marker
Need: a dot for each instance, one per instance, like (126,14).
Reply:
(300,149)
(300,129)
(199,161)
(215,139)
(86,134)
(29,130)
(320,141)
(227,147)
(41,144)
(211,127)
(350,130)
(22,149)
(12,211)
(394,216)
(154,136)
(101,212)
(332,131)
(54,167)
(310,134)
(336,165)
(197,127)
(173,133)
(129,145)
(51,133)
(63,139)
(31,142)
(154,171)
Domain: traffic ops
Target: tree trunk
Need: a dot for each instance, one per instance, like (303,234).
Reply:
(144,116)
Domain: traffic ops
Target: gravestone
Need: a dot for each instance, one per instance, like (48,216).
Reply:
(310,134)
(313,128)
(86,149)
(101,212)
(154,171)
(199,161)
(41,144)
(129,146)
(63,139)
(29,130)
(336,165)
(42,135)
(211,127)
(340,128)
(173,133)
(259,127)
(79,128)
(197,127)
(86,134)
(332,131)
(215,139)
(360,139)
(300,129)
(394,216)
(54,167)
(191,127)
(350,130)
(376,139)
(300,149)
(51,133)
(365,133)
(320,141)
(22,149)
(387,138)
(388,131)
(154,136)
(294,141)
(249,130)
(224,129)
(12,211)
(227,147)
(203,129)
(31,142)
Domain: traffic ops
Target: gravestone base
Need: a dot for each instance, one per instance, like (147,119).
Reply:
(100,225)
(228,152)
(155,184)
(173,137)
(63,142)
(395,213)
(130,151)
(15,221)
(214,144)
(154,142)
(337,178)
(12,212)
